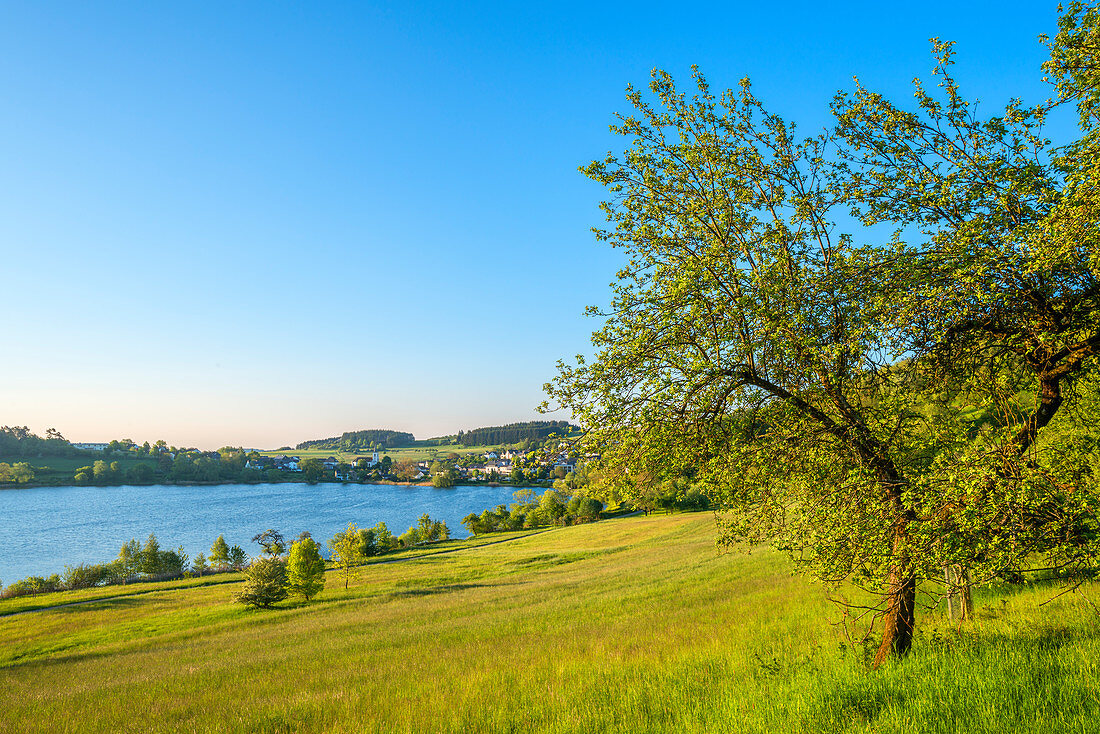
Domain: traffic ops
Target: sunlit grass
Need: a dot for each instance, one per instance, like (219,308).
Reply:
(633,625)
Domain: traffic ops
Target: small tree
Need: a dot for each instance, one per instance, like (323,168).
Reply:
(440,530)
(271,541)
(129,560)
(174,562)
(198,566)
(219,553)
(347,550)
(472,522)
(312,470)
(265,583)
(238,559)
(150,556)
(305,569)
(383,538)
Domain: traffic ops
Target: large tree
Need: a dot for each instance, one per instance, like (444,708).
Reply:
(805,374)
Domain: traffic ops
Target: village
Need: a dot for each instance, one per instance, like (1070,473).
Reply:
(508,464)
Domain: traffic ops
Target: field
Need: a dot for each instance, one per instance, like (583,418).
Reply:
(628,625)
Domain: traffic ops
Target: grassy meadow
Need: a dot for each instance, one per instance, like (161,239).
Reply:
(628,625)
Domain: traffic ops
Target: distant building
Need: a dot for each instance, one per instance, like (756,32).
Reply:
(371,460)
(89,446)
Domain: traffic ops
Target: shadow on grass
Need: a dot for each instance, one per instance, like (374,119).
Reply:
(432,590)
(108,603)
(1040,669)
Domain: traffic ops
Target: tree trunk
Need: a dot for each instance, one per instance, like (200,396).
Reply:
(901,598)
(960,606)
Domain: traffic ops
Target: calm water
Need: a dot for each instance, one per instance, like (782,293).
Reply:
(43,529)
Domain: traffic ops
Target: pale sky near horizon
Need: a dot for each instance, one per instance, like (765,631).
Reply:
(258,223)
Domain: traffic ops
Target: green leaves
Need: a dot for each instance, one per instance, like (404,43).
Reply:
(879,408)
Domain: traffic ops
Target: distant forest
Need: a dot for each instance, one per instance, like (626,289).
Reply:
(361,441)
(513,433)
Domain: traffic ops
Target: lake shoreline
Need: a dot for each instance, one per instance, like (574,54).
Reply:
(288,480)
(44,529)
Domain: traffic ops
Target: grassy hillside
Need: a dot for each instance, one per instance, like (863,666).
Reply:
(632,625)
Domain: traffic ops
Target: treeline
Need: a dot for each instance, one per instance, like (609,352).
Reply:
(135,562)
(513,433)
(265,583)
(531,511)
(366,440)
(21,441)
(224,465)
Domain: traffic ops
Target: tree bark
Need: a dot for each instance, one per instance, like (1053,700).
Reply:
(901,601)
(960,606)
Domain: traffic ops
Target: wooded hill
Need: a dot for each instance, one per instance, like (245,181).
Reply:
(361,440)
(513,433)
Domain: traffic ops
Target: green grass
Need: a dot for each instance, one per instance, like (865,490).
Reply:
(630,625)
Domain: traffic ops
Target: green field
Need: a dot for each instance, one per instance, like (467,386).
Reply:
(629,625)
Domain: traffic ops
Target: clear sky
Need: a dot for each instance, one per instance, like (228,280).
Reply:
(260,223)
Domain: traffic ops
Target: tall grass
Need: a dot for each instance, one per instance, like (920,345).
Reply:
(633,625)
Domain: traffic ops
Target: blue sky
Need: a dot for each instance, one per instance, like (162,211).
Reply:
(260,223)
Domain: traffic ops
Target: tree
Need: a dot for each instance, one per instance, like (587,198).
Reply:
(443,480)
(383,539)
(101,471)
(305,569)
(347,550)
(312,470)
(472,523)
(753,346)
(271,541)
(219,553)
(173,562)
(199,565)
(150,556)
(552,505)
(238,559)
(129,560)
(139,474)
(265,583)
(406,470)
(21,472)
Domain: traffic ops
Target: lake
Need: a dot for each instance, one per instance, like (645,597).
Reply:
(43,529)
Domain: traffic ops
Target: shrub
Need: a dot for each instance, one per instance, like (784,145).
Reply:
(85,576)
(265,584)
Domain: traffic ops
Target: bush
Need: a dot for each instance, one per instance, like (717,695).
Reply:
(265,584)
(85,576)
(33,585)
(409,538)
(586,509)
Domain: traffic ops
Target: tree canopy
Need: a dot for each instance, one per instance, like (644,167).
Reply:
(877,404)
